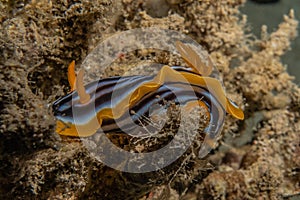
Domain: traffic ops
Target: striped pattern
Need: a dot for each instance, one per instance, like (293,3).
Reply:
(108,93)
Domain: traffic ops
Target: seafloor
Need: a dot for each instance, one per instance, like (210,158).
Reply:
(258,158)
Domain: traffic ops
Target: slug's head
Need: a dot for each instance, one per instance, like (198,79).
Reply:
(63,107)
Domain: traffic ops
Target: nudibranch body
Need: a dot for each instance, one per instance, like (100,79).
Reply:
(186,86)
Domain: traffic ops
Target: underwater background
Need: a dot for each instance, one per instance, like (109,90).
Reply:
(270,14)
(256,158)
